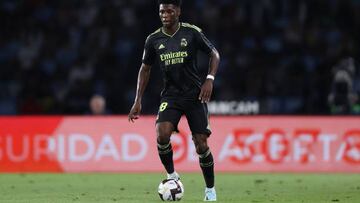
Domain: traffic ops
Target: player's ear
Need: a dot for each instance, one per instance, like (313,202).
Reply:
(178,11)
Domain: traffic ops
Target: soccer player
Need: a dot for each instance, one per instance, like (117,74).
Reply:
(174,47)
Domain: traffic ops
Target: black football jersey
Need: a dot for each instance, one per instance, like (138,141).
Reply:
(177,57)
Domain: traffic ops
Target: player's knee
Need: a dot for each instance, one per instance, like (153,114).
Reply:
(200,144)
(202,148)
(163,134)
(163,138)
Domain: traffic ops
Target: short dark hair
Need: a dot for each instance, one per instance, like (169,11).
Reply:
(174,2)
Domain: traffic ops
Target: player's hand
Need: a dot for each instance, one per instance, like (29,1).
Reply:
(134,112)
(206,91)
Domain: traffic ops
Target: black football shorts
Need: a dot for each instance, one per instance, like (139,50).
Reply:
(196,113)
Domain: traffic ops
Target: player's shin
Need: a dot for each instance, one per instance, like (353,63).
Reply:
(166,156)
(206,161)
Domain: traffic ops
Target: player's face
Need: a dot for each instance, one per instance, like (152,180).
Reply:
(169,14)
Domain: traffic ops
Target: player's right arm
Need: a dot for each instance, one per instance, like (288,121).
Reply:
(142,81)
(143,78)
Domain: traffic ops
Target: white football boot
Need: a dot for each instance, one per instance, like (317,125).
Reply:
(210,195)
(174,176)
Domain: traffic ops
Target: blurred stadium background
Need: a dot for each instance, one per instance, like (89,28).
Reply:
(279,54)
(290,66)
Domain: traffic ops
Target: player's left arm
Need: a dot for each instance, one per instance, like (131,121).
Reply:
(207,47)
(207,87)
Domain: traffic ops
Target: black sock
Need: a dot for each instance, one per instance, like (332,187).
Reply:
(206,161)
(166,156)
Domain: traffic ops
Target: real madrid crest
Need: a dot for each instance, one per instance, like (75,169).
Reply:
(183,42)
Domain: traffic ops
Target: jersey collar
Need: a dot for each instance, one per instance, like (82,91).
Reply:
(162,30)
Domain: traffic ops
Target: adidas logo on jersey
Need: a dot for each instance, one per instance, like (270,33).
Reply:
(161,46)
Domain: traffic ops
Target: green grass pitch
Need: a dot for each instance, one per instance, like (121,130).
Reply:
(142,188)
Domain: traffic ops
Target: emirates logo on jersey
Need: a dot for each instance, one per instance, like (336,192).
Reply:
(172,58)
(183,42)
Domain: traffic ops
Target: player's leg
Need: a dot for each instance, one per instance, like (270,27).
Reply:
(206,159)
(197,116)
(164,131)
(166,124)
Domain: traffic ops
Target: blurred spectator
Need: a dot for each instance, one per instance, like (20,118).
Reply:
(98,105)
(343,98)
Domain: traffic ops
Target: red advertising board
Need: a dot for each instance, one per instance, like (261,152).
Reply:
(112,144)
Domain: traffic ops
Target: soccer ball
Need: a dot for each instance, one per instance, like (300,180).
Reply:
(171,190)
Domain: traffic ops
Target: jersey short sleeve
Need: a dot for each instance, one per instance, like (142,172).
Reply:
(149,52)
(203,43)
